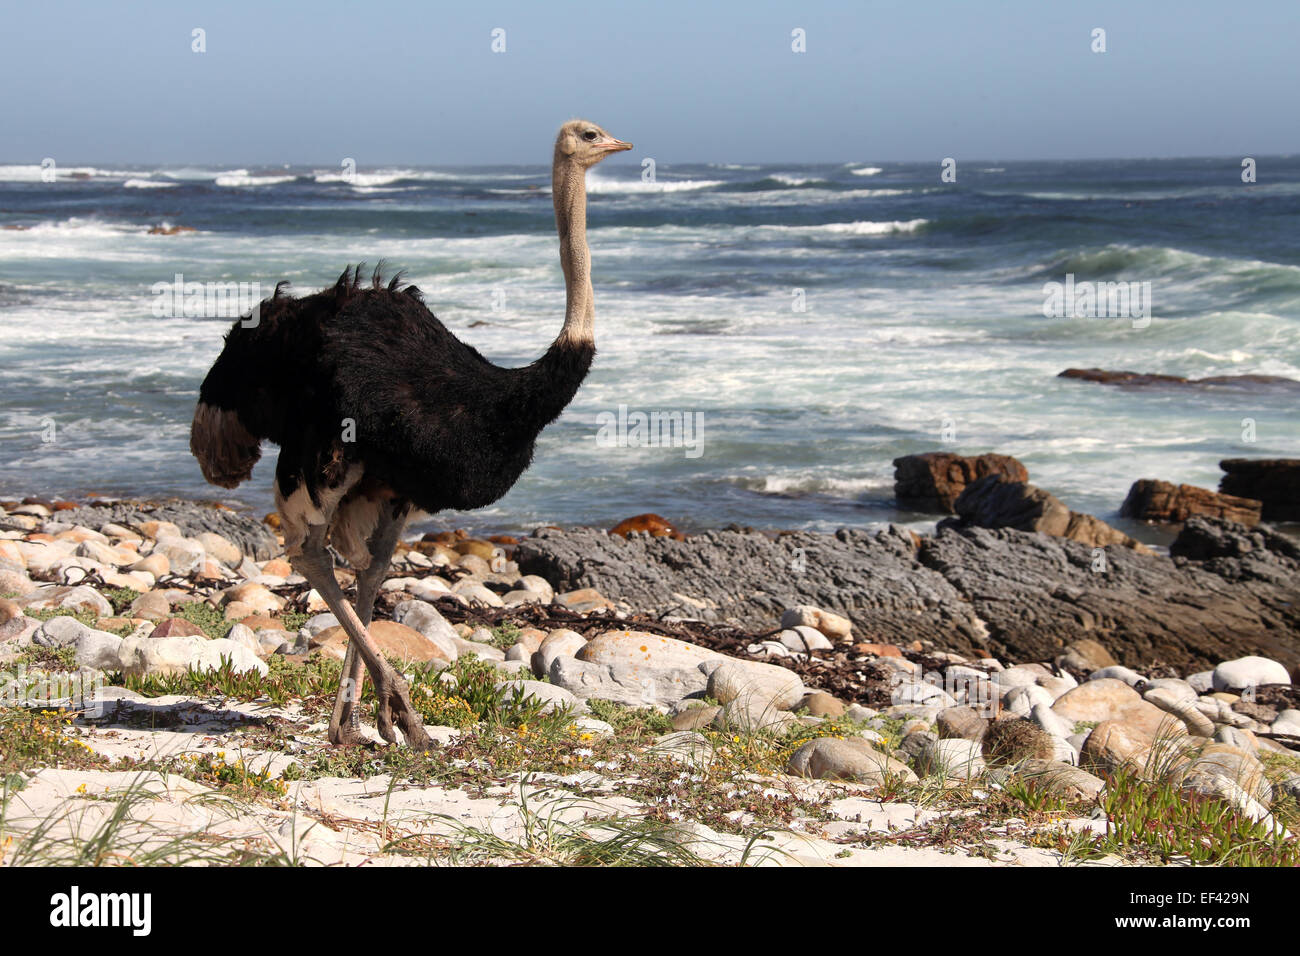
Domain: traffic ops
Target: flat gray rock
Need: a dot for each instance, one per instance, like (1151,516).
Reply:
(978,592)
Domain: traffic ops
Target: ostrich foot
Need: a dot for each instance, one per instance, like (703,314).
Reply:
(391,690)
(346,736)
(395,702)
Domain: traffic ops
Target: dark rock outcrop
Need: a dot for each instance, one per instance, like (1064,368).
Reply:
(1273,481)
(934,480)
(242,530)
(1016,595)
(994,502)
(1149,379)
(1153,500)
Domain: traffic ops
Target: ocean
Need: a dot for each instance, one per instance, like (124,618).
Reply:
(809,323)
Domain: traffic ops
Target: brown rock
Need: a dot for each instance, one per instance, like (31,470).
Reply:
(634,650)
(152,606)
(961,722)
(656,525)
(156,564)
(1086,655)
(449,538)
(934,480)
(1275,482)
(1152,500)
(693,718)
(1092,531)
(257,597)
(532,638)
(393,639)
(1109,699)
(1114,745)
(994,502)
(262,622)
(830,758)
(435,548)
(1061,779)
(991,502)
(177,627)
(583,599)
(152,529)
(477,547)
(878,650)
(822,704)
(279,567)
(9,610)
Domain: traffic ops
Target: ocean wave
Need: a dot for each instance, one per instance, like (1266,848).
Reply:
(241,177)
(147,184)
(598,184)
(368,190)
(197,173)
(860,228)
(33,172)
(1152,262)
(387,177)
(82,228)
(805,484)
(867,171)
(789,180)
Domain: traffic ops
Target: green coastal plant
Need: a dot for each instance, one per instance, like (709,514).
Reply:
(33,737)
(209,619)
(1159,819)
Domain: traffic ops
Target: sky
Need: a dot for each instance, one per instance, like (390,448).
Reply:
(407,82)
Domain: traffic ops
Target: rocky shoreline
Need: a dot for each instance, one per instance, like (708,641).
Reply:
(895,668)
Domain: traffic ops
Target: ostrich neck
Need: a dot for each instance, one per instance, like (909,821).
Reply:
(569,191)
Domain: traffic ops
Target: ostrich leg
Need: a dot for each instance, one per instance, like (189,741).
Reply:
(343,729)
(315,564)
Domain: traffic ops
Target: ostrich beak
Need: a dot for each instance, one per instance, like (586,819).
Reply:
(614,145)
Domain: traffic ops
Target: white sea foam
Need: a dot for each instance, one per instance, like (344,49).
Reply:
(32,173)
(795,180)
(198,174)
(147,184)
(81,228)
(861,228)
(598,184)
(867,171)
(386,177)
(804,484)
(241,177)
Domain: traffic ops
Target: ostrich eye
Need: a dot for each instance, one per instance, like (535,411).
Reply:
(589,136)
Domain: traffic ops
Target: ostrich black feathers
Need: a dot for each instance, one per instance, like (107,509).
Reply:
(364,374)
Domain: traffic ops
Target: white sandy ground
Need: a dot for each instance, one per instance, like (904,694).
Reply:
(349,821)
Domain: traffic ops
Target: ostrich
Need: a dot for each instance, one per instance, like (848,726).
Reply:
(380,411)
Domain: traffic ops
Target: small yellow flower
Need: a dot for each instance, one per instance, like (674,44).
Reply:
(81,789)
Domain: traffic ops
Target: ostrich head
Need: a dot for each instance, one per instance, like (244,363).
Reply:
(584,143)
